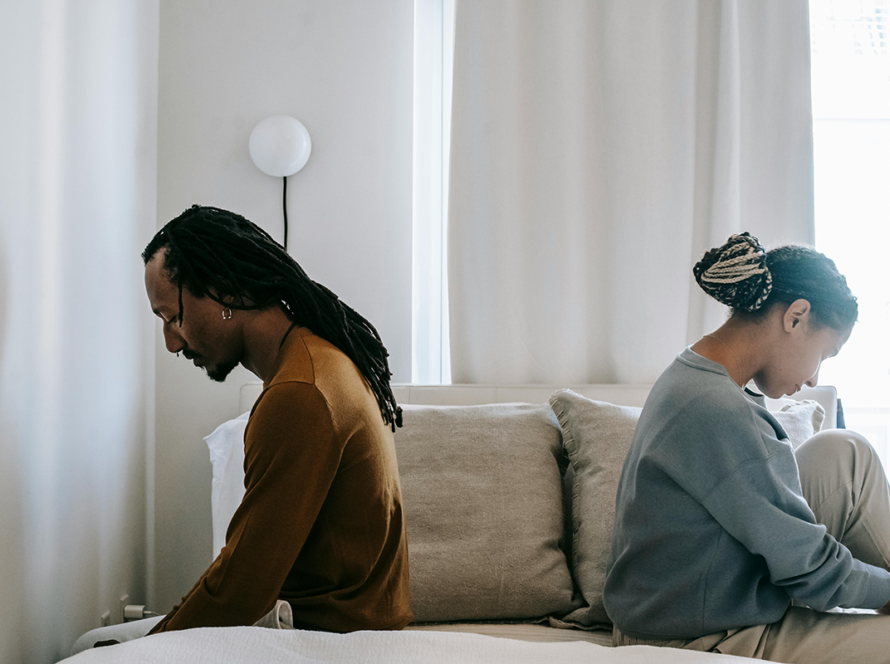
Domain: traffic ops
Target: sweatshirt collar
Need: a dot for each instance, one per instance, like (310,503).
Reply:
(693,359)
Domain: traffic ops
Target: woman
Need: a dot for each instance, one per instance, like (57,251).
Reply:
(719,525)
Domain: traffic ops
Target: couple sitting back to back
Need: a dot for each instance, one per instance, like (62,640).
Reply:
(752,525)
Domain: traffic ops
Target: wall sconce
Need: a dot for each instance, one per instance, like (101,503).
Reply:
(280,146)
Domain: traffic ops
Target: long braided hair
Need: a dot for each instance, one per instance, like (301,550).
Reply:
(744,276)
(221,255)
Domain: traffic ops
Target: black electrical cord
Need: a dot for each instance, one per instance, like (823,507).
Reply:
(284,205)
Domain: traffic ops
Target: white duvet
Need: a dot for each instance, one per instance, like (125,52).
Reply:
(255,645)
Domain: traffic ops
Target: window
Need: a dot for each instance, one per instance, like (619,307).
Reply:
(433,58)
(851,126)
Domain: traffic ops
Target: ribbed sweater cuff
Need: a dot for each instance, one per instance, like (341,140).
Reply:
(877,592)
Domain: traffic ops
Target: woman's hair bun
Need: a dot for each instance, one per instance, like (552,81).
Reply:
(736,274)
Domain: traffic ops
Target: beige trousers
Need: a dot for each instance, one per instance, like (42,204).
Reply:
(846,488)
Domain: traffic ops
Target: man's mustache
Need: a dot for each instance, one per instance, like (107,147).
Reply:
(190,354)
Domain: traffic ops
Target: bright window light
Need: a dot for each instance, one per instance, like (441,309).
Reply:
(433,66)
(850,42)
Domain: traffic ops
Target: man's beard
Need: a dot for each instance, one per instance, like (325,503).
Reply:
(220,372)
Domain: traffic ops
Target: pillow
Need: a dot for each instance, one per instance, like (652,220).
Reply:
(596,436)
(800,419)
(483,504)
(226,445)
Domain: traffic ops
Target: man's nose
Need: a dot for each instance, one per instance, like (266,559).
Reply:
(172,339)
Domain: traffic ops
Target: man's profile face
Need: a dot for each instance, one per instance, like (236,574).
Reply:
(205,337)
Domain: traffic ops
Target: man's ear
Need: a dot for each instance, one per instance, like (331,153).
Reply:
(797,316)
(230,300)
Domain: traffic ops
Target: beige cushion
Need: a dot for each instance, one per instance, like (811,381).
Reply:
(596,436)
(483,504)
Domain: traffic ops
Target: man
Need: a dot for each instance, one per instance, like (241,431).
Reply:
(321,523)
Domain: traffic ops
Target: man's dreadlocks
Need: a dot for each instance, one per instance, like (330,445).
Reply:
(221,255)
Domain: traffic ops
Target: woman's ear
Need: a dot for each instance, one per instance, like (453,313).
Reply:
(797,316)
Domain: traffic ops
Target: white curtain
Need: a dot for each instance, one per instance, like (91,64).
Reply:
(598,149)
(77,201)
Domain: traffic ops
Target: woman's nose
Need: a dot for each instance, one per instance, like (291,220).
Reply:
(814,380)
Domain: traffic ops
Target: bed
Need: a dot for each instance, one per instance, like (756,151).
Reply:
(255,645)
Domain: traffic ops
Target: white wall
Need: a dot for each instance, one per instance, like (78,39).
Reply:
(77,199)
(344,69)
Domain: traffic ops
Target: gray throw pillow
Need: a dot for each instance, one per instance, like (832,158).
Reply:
(483,504)
(596,436)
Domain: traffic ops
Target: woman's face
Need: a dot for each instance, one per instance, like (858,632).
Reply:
(796,359)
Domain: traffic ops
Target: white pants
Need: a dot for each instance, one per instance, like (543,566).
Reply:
(280,617)
(845,486)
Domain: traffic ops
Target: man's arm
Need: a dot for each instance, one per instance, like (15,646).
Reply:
(291,459)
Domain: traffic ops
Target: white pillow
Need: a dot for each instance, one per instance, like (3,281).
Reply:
(800,419)
(226,445)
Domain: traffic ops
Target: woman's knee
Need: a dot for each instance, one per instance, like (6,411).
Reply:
(842,445)
(837,450)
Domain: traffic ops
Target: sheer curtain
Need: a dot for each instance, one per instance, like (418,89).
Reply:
(598,149)
(77,204)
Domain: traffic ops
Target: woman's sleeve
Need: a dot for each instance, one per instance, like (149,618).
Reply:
(762,506)
(752,489)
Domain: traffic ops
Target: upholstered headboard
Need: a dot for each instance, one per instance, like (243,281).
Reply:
(622,395)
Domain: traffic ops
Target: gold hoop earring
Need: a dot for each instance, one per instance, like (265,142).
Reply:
(227,314)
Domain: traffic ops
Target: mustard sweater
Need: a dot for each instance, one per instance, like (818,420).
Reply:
(321,523)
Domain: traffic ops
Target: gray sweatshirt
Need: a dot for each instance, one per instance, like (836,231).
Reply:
(712,531)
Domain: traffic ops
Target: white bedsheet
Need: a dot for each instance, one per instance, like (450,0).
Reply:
(255,645)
